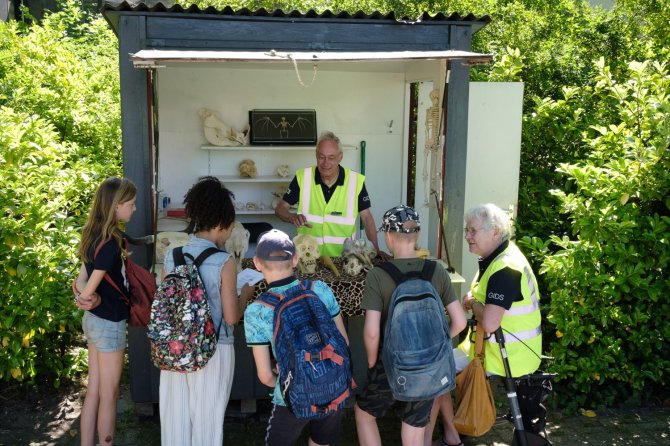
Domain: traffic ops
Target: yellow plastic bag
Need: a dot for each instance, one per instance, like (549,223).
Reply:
(475,408)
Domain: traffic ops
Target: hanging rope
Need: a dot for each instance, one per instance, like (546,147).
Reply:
(288,56)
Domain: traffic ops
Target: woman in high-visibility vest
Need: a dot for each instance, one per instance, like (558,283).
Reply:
(503,294)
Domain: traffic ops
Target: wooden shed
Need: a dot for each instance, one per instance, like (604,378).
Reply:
(367,77)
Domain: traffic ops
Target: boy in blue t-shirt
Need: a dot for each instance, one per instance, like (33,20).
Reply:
(276,257)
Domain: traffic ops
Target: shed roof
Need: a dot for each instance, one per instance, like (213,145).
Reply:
(376,17)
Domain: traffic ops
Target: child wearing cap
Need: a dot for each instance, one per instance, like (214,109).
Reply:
(401,227)
(276,258)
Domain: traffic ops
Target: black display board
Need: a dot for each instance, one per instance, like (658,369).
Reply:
(282,126)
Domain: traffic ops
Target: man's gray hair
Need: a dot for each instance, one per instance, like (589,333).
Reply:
(492,217)
(328,136)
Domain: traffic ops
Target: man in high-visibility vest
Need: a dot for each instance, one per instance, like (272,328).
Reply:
(329,198)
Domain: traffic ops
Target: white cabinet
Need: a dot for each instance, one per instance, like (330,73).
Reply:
(253,196)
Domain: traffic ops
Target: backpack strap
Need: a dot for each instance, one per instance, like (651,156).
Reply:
(270,299)
(180,257)
(428,270)
(393,271)
(203,256)
(108,278)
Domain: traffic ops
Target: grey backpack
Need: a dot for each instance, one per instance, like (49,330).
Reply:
(417,349)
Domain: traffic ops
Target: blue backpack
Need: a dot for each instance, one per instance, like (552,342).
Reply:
(312,355)
(417,349)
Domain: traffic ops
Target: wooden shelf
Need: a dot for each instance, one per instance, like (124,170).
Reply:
(271,148)
(256,212)
(257,179)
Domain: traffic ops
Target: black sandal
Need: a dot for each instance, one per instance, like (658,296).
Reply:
(444,443)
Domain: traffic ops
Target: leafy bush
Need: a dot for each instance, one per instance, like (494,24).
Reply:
(608,277)
(60,136)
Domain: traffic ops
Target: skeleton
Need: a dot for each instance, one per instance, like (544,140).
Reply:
(218,133)
(238,243)
(308,248)
(283,170)
(247,169)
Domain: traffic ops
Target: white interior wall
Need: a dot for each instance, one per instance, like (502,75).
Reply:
(494,150)
(356,105)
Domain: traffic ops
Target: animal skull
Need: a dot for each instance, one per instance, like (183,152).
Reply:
(308,248)
(218,132)
(283,170)
(247,168)
(352,265)
(238,243)
(362,249)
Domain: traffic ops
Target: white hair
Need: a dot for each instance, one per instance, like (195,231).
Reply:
(492,217)
(328,136)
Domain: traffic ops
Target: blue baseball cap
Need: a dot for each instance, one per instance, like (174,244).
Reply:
(273,242)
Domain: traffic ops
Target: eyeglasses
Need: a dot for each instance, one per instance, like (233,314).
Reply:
(473,231)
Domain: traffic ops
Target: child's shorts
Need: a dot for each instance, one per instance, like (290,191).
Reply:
(376,398)
(284,428)
(106,336)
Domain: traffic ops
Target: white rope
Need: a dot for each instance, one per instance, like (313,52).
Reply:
(297,73)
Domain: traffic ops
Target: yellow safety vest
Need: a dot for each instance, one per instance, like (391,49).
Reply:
(334,221)
(521,323)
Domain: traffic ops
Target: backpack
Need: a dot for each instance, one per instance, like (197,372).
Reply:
(417,349)
(142,286)
(181,330)
(312,355)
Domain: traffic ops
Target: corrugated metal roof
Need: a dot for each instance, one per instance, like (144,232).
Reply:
(278,13)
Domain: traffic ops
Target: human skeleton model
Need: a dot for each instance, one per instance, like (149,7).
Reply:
(218,133)
(432,146)
(238,243)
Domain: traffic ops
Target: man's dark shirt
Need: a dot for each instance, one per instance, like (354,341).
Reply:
(292,195)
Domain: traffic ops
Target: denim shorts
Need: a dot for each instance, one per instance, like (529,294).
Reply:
(106,336)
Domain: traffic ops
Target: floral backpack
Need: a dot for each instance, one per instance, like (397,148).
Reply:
(181,331)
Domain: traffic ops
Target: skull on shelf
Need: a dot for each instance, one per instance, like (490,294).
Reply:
(352,266)
(283,170)
(247,168)
(308,248)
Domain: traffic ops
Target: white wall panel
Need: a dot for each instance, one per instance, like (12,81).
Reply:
(494,149)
